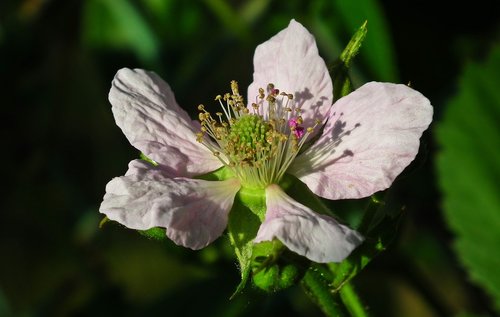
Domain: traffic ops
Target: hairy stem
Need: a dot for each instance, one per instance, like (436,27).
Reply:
(316,285)
(352,301)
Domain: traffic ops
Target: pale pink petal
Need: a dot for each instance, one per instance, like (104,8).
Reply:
(370,137)
(290,61)
(201,212)
(145,109)
(193,211)
(317,237)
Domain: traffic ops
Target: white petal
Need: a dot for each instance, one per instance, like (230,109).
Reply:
(318,237)
(290,61)
(193,211)
(145,109)
(371,136)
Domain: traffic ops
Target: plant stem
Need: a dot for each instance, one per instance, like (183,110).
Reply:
(317,287)
(352,301)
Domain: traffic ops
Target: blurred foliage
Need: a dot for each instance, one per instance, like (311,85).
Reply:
(116,24)
(57,59)
(469,170)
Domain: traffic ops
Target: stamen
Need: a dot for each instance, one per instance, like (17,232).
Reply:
(259,142)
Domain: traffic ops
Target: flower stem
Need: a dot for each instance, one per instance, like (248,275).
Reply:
(332,300)
(317,286)
(352,301)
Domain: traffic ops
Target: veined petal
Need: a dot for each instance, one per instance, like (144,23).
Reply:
(200,214)
(290,61)
(193,211)
(371,135)
(145,109)
(317,237)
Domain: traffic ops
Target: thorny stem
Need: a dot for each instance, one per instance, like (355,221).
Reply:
(316,285)
(334,302)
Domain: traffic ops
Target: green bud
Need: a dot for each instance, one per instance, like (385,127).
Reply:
(274,268)
(277,277)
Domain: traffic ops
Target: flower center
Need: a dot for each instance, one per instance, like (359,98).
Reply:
(247,139)
(257,143)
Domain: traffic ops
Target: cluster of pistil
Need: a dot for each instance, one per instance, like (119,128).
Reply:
(257,143)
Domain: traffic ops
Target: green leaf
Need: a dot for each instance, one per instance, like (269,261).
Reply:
(469,171)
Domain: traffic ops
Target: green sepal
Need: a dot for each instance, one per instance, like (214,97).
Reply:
(155,233)
(220,174)
(147,159)
(354,45)
(103,221)
(342,84)
(245,218)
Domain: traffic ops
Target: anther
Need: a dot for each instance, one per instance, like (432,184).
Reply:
(234,88)
(261,93)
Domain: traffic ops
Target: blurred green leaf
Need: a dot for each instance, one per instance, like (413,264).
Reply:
(229,17)
(160,7)
(146,271)
(253,10)
(4,305)
(118,24)
(470,315)
(469,171)
(325,27)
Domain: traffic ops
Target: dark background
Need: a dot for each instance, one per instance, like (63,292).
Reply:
(61,146)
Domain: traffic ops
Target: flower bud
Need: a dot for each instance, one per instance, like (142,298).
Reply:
(277,277)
